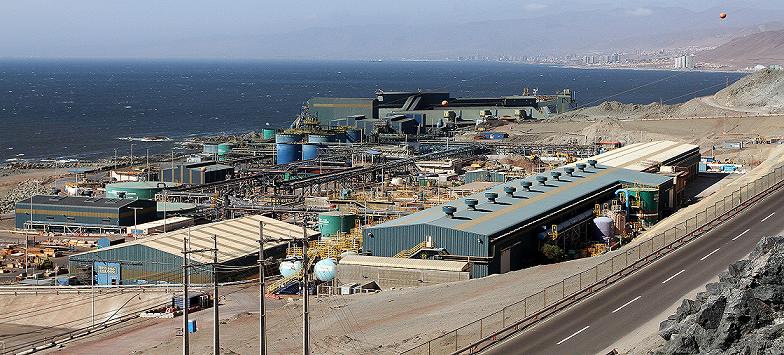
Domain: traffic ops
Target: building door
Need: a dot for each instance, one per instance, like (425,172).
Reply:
(506,260)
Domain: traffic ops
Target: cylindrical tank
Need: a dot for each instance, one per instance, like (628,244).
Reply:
(321,138)
(353,136)
(325,270)
(288,138)
(397,181)
(289,267)
(209,148)
(604,229)
(267,133)
(224,148)
(648,198)
(330,223)
(309,151)
(288,152)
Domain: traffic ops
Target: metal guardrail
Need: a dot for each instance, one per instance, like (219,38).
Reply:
(521,315)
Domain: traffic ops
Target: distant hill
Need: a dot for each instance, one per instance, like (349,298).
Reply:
(760,48)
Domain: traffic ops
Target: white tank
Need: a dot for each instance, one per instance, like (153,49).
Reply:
(397,181)
(325,270)
(289,267)
(604,228)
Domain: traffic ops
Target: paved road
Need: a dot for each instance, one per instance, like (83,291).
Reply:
(599,321)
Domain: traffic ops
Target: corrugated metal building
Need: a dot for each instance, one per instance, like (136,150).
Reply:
(196,174)
(159,258)
(82,214)
(397,272)
(499,233)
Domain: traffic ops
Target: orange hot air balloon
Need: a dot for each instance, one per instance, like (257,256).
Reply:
(723,15)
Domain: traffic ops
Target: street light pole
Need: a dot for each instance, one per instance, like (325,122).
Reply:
(185,295)
(215,315)
(262,286)
(305,291)
(134,221)
(131,154)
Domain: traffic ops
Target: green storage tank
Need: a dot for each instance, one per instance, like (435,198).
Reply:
(330,223)
(224,148)
(648,198)
(137,190)
(268,133)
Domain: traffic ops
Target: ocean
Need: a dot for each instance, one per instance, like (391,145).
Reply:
(80,109)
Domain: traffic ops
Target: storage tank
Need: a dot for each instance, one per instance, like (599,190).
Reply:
(353,136)
(288,152)
(325,270)
(290,267)
(309,151)
(209,148)
(330,223)
(288,138)
(603,228)
(321,138)
(645,205)
(224,148)
(267,133)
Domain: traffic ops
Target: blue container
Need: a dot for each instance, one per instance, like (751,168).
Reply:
(321,138)
(288,152)
(104,243)
(353,136)
(309,151)
(288,138)
(192,326)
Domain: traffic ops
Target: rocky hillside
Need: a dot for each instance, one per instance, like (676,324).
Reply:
(743,313)
(763,91)
(763,48)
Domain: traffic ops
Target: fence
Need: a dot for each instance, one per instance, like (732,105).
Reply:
(480,334)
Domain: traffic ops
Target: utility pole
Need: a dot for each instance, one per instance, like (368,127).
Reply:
(215,317)
(262,286)
(131,154)
(148,164)
(134,222)
(185,294)
(305,325)
(92,289)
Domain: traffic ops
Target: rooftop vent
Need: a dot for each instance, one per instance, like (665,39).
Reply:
(592,163)
(556,175)
(526,185)
(449,211)
(569,170)
(510,190)
(542,179)
(491,196)
(581,166)
(471,203)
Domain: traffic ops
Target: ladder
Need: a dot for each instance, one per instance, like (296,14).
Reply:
(405,254)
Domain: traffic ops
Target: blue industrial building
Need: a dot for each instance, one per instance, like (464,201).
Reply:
(501,229)
(82,214)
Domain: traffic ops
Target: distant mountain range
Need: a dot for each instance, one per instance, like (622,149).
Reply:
(763,48)
(571,32)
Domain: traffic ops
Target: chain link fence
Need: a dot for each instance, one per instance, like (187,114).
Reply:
(517,316)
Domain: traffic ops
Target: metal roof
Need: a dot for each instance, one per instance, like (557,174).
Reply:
(491,218)
(643,156)
(142,185)
(76,201)
(404,263)
(236,238)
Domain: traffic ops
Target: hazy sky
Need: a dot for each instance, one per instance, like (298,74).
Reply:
(50,28)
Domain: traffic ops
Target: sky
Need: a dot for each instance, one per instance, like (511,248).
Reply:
(106,28)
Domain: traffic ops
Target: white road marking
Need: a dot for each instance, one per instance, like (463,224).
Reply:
(766,218)
(740,235)
(709,254)
(673,276)
(575,333)
(626,304)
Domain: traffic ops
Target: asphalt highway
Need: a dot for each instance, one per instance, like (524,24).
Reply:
(598,322)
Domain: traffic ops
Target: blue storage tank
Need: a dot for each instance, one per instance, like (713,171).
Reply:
(353,136)
(321,138)
(288,138)
(309,151)
(288,152)
(325,270)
